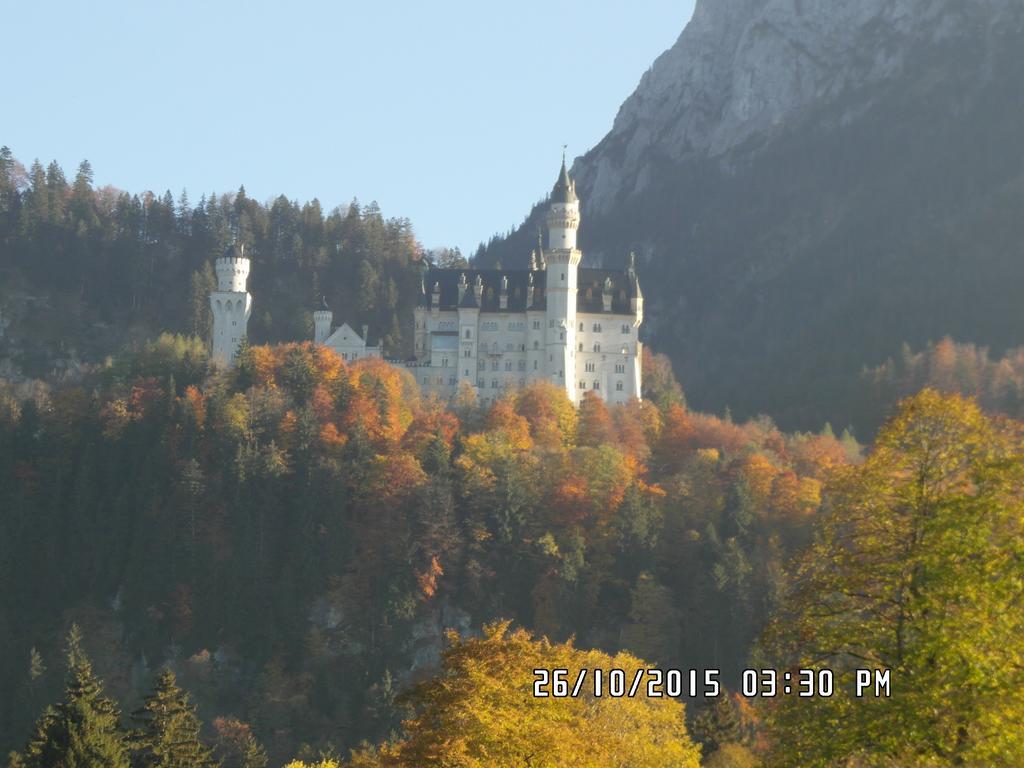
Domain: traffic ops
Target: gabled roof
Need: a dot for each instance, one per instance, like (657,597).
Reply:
(344,334)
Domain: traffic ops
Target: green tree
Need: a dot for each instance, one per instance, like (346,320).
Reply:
(168,735)
(83,731)
(718,724)
(919,569)
(201,316)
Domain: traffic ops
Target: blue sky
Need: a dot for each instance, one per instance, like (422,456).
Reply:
(450,113)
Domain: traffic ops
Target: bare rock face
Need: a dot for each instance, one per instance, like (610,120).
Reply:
(742,69)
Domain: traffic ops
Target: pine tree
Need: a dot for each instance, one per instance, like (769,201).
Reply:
(718,724)
(84,730)
(204,282)
(168,735)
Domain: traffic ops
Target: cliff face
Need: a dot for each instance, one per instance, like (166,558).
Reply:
(809,183)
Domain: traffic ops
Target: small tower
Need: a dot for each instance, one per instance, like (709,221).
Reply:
(231,304)
(322,320)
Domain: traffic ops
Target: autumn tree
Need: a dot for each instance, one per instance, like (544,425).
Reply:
(915,570)
(480,711)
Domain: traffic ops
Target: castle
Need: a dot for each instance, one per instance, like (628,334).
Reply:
(493,330)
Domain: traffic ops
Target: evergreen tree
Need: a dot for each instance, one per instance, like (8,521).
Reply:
(84,730)
(204,282)
(168,735)
(718,724)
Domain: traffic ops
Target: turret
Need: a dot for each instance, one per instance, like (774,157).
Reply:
(322,321)
(563,213)
(232,270)
(636,304)
(231,304)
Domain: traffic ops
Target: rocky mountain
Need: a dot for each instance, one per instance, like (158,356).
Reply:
(810,183)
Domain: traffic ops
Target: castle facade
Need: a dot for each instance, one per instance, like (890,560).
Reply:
(495,330)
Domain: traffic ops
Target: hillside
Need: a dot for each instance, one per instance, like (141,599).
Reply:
(807,186)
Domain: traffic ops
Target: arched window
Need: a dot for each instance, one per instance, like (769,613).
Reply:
(597,347)
(618,386)
(597,385)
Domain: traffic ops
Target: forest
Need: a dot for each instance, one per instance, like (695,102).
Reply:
(86,270)
(294,537)
(305,562)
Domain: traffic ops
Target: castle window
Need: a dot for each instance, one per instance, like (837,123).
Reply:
(625,329)
(590,367)
(536,325)
(597,347)
(480,383)
(620,368)
(522,365)
(597,385)
(467,353)
(444,362)
(494,383)
(583,385)
(467,372)
(535,365)
(451,379)
(563,277)
(581,346)
(425,382)
(597,327)
(494,365)
(536,344)
(561,335)
(618,386)
(508,365)
(581,327)
(469,333)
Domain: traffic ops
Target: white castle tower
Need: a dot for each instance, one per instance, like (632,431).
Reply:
(323,319)
(563,260)
(231,304)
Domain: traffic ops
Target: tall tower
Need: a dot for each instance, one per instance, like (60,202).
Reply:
(231,304)
(563,260)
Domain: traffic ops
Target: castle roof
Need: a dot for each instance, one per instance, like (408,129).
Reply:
(565,189)
(589,297)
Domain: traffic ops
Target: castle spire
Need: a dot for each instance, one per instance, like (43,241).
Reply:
(564,190)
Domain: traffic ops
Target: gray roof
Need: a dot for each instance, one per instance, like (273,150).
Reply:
(589,297)
(565,189)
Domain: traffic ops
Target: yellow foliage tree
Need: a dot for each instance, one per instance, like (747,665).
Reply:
(481,712)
